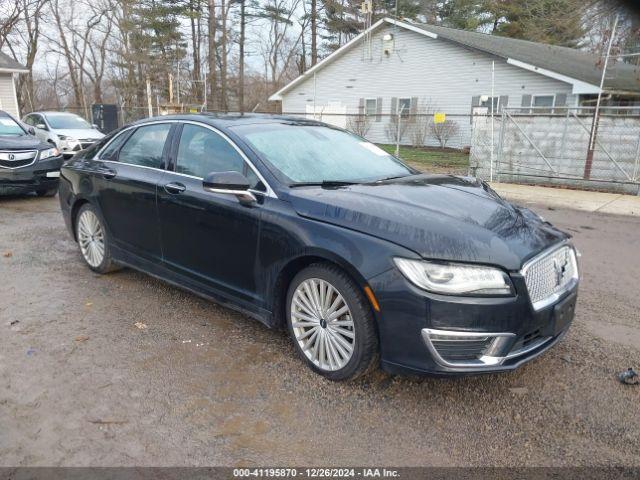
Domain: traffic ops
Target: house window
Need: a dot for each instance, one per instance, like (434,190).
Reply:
(404,106)
(370,106)
(543,103)
(487,102)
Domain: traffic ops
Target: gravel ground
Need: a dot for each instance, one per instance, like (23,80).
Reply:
(81,385)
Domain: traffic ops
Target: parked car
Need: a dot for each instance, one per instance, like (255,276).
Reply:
(27,164)
(67,131)
(305,226)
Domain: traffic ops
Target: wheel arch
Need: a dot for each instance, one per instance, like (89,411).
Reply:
(299,263)
(77,205)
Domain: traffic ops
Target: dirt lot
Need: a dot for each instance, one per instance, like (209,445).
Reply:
(80,384)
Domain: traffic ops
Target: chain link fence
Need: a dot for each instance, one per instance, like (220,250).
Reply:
(543,146)
(560,147)
(429,142)
(427,145)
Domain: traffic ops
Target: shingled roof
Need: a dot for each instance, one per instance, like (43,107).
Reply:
(9,64)
(582,70)
(566,61)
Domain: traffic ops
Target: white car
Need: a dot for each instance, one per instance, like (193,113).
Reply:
(67,131)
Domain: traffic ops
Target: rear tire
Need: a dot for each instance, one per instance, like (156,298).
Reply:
(331,323)
(93,240)
(51,192)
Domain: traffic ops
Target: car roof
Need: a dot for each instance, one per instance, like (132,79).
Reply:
(53,112)
(226,120)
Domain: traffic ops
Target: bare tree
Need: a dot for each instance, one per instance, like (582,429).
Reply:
(421,121)
(443,132)
(27,32)
(211,24)
(359,124)
(241,59)
(279,48)
(392,130)
(10,14)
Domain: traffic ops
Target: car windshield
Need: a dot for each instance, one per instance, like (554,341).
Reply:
(9,127)
(66,121)
(303,154)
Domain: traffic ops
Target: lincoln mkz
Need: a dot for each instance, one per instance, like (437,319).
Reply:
(364,260)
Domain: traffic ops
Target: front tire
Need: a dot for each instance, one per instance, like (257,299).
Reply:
(93,240)
(331,323)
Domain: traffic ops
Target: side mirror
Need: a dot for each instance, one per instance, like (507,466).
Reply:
(232,183)
(41,126)
(96,127)
(31,131)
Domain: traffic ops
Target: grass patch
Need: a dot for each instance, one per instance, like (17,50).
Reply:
(429,156)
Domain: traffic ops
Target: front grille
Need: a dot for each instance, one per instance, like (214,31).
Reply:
(550,274)
(459,349)
(17,158)
(15,163)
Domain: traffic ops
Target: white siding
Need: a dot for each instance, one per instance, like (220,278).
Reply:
(8,101)
(438,72)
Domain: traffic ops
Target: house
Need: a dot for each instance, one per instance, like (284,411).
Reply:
(423,69)
(8,95)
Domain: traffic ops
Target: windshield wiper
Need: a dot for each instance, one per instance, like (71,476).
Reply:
(323,183)
(393,178)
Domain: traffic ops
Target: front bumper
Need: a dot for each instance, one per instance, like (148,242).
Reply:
(69,149)
(41,175)
(415,326)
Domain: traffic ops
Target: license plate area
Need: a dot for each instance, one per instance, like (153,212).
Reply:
(55,174)
(563,314)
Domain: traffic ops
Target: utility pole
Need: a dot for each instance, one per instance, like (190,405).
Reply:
(596,113)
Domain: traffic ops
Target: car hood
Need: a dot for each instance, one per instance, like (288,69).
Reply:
(25,142)
(79,133)
(437,216)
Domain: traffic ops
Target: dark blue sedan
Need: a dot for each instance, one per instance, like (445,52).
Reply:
(304,226)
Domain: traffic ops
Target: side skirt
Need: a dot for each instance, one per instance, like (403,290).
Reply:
(180,281)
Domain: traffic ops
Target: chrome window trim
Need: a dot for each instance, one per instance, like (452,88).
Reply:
(161,170)
(97,157)
(269,193)
(545,302)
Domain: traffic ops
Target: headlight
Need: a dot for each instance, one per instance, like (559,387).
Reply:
(48,153)
(455,279)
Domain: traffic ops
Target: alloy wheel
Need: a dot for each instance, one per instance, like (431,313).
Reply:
(322,324)
(91,238)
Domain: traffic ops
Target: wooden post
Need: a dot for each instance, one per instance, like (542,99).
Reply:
(149,104)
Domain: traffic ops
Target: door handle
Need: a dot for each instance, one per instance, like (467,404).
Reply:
(107,172)
(174,188)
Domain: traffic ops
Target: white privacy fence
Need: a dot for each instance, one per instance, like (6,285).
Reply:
(544,146)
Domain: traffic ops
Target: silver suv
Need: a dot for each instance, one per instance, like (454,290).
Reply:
(67,131)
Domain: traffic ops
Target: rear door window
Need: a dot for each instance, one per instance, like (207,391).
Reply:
(145,146)
(111,151)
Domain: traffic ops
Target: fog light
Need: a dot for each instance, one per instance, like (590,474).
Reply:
(453,348)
